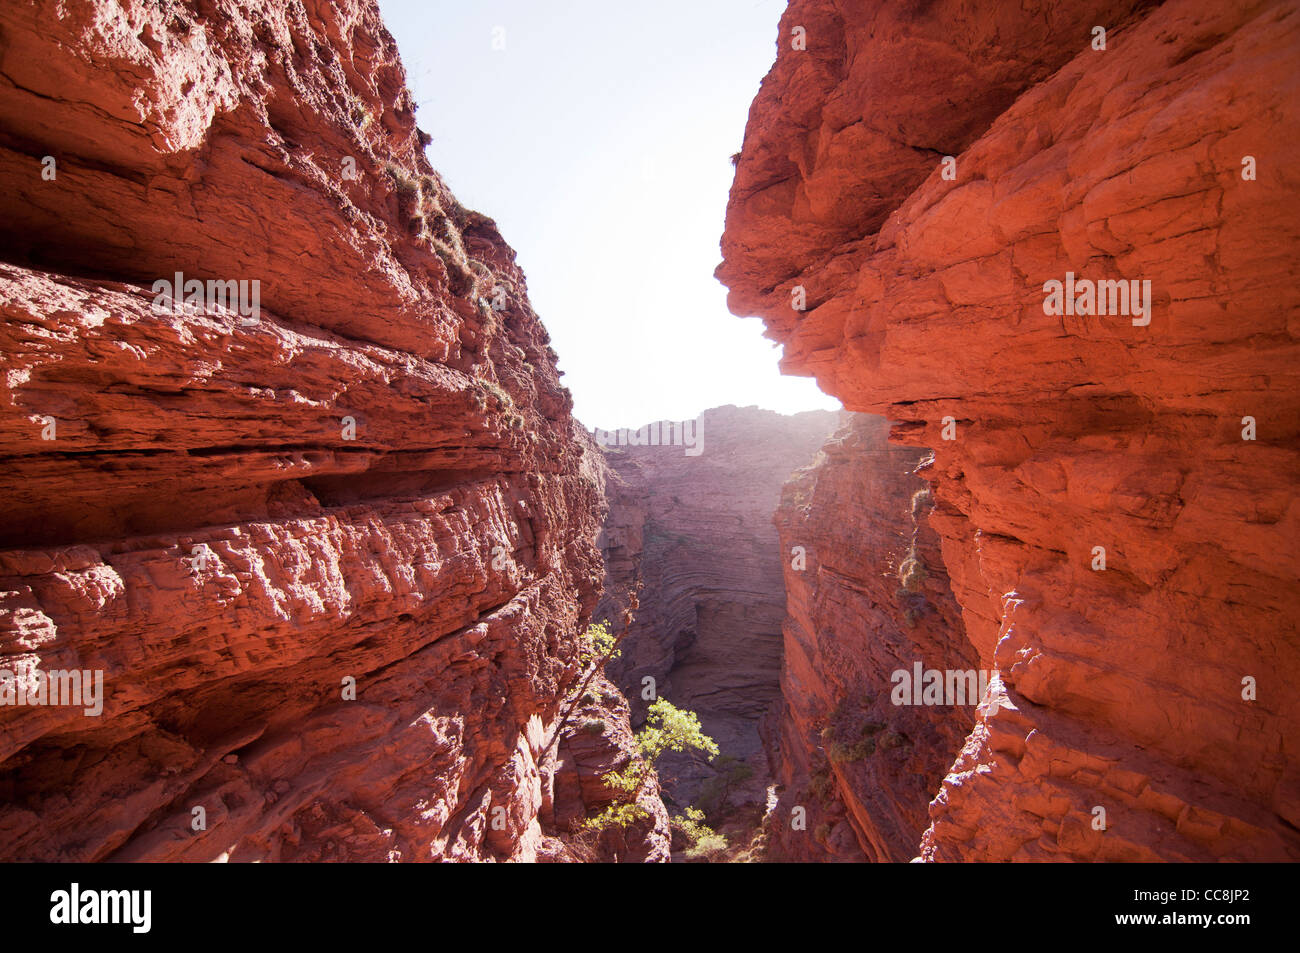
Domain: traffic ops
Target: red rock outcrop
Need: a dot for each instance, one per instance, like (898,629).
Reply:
(1153,693)
(332,558)
(599,740)
(695,529)
(863,769)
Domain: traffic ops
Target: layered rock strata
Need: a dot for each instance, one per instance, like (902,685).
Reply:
(1114,486)
(695,530)
(329,549)
(868,598)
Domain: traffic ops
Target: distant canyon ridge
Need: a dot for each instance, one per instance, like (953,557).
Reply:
(697,533)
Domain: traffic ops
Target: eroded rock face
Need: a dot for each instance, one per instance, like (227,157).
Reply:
(695,529)
(1160,158)
(863,769)
(373,484)
(596,742)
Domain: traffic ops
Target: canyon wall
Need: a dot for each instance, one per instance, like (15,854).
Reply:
(332,555)
(867,596)
(695,530)
(1113,488)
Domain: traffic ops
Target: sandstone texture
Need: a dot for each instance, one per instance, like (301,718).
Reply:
(863,769)
(695,530)
(598,741)
(374,481)
(1158,689)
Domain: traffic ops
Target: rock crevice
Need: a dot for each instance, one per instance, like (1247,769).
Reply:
(695,532)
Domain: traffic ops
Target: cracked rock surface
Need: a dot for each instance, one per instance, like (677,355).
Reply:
(375,484)
(1160,687)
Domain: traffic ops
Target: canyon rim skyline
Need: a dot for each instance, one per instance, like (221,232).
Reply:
(306,557)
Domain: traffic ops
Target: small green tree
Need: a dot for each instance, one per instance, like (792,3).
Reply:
(595,647)
(615,815)
(667,728)
(703,841)
(598,644)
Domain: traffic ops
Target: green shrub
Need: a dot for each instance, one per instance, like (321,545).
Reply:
(405,183)
(703,842)
(497,391)
(429,222)
(597,642)
(707,847)
(461,281)
(857,737)
(667,728)
(615,815)
(358,114)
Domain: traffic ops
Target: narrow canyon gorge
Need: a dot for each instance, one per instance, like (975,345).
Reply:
(695,531)
(291,478)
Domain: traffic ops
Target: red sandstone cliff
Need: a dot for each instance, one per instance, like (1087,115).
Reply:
(863,769)
(1163,157)
(695,529)
(376,480)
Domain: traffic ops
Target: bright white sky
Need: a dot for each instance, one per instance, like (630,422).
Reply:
(600,139)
